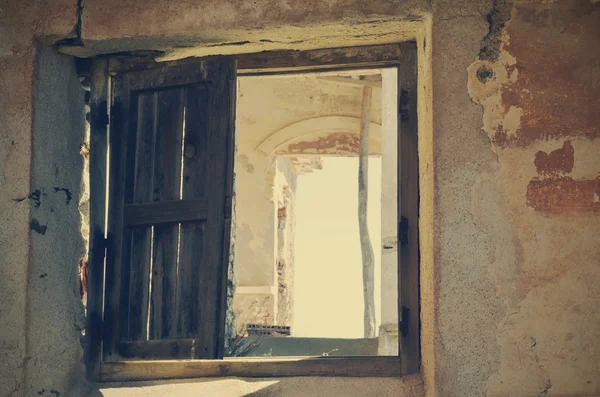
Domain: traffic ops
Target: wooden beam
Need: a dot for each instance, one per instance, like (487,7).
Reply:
(319,60)
(277,62)
(252,367)
(368,259)
(173,211)
(97,174)
(408,212)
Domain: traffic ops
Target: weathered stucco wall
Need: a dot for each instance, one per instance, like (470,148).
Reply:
(18,26)
(55,315)
(510,276)
(516,246)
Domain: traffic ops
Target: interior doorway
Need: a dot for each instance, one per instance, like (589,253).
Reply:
(299,280)
(128,308)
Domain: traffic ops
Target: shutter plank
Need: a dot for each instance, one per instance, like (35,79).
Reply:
(225,135)
(192,244)
(167,178)
(173,211)
(219,176)
(117,272)
(97,183)
(141,237)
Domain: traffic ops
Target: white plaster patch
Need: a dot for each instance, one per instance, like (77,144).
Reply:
(486,81)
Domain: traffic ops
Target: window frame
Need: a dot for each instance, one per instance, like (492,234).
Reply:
(400,55)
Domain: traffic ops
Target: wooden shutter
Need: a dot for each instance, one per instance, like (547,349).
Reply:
(170,186)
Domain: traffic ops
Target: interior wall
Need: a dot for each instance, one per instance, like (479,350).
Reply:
(266,106)
(510,281)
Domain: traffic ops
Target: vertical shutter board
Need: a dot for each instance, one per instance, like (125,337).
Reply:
(191,280)
(192,235)
(115,275)
(167,182)
(228,124)
(220,176)
(141,183)
(98,158)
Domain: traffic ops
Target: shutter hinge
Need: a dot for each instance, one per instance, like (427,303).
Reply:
(404,321)
(403,231)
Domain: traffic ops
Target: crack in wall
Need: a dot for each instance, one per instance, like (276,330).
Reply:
(76,39)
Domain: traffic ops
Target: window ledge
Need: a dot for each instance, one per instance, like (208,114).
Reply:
(388,366)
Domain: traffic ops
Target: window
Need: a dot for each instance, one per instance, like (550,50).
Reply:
(159,259)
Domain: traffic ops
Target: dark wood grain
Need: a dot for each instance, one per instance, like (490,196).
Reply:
(270,62)
(167,182)
(192,237)
(288,61)
(163,349)
(227,125)
(408,211)
(98,159)
(172,211)
(117,277)
(214,283)
(141,237)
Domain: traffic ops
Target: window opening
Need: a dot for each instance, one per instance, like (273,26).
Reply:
(299,270)
(168,172)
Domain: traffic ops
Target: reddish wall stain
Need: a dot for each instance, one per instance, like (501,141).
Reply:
(554,192)
(557,48)
(564,195)
(559,161)
(333,143)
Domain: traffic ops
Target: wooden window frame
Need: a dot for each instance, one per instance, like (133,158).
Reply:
(404,57)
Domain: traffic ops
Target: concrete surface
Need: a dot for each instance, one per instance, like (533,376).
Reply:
(290,387)
(19,25)
(510,283)
(296,346)
(55,314)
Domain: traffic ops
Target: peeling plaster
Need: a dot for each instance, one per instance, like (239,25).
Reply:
(542,81)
